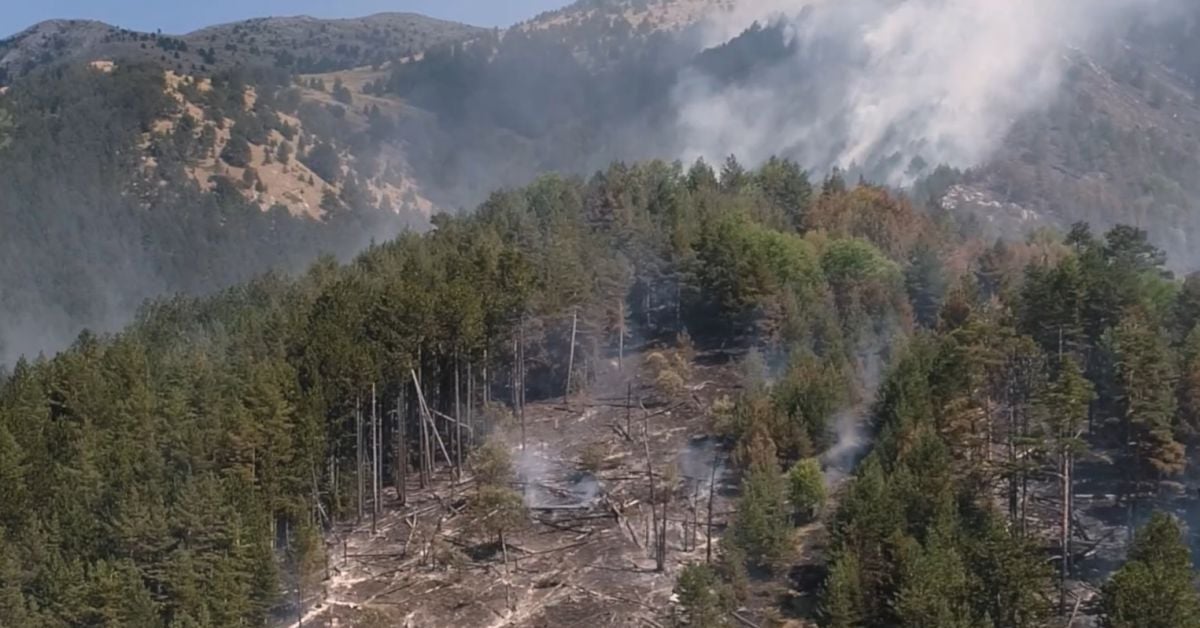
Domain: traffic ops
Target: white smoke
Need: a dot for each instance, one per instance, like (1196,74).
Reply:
(701,464)
(533,471)
(851,430)
(546,483)
(874,84)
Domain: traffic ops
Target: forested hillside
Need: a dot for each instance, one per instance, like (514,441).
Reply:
(142,184)
(182,471)
(123,505)
(613,387)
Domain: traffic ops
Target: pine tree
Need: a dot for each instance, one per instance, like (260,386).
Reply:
(1011,577)
(761,525)
(1155,588)
(704,600)
(1188,418)
(733,175)
(13,486)
(843,605)
(1051,308)
(1061,409)
(6,124)
(1145,402)
(926,284)
(13,605)
(934,585)
(806,489)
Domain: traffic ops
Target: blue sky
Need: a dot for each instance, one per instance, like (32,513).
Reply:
(181,16)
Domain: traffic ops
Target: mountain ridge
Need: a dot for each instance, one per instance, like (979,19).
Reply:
(291,43)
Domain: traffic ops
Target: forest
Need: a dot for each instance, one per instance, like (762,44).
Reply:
(183,471)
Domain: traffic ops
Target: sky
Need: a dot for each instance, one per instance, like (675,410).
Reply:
(177,17)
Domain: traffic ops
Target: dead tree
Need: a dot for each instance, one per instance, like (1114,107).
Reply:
(571,359)
(712,489)
(335,498)
(1065,531)
(359,456)
(629,410)
(401,457)
(660,529)
(621,334)
(425,458)
(374,463)
(458,442)
(471,404)
(427,420)
(521,378)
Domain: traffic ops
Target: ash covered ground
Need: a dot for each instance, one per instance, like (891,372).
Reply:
(585,556)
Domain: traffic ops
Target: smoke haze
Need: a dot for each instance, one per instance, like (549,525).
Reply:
(891,87)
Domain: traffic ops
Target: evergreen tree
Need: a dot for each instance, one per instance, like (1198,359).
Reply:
(934,585)
(6,124)
(1155,588)
(1062,413)
(236,151)
(806,489)
(787,189)
(703,598)
(1145,402)
(733,175)
(926,284)
(761,527)
(1188,419)
(842,597)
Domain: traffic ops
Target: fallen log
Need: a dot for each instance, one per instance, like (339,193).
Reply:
(1087,553)
(564,528)
(563,548)
(1074,612)
(743,621)
(561,508)
(611,597)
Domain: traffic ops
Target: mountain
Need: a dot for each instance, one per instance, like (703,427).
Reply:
(293,44)
(575,89)
(401,116)
(187,164)
(1121,143)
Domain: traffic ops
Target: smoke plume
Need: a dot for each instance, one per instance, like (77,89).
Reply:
(892,87)
(851,427)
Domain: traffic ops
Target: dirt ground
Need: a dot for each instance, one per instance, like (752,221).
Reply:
(583,559)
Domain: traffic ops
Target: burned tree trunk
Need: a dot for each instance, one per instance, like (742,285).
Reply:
(629,410)
(359,457)
(471,405)
(621,334)
(401,461)
(712,489)
(375,466)
(424,459)
(659,544)
(373,457)
(571,359)
(1065,532)
(520,377)
(458,442)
